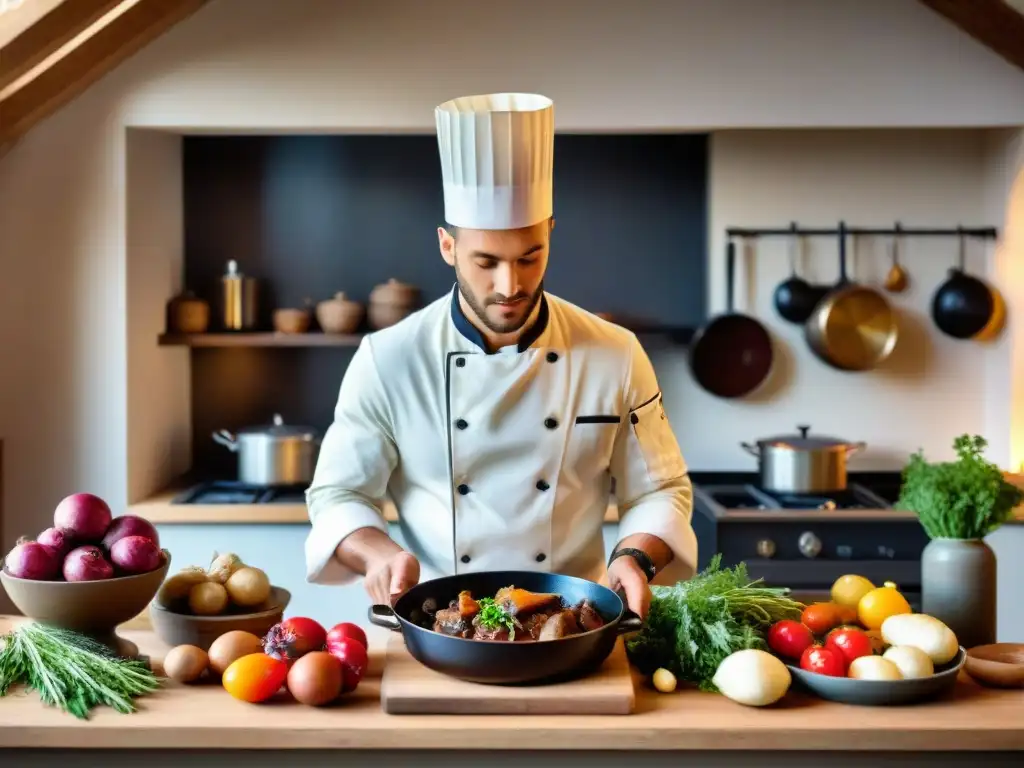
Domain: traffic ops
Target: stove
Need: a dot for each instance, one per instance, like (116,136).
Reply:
(233,492)
(806,542)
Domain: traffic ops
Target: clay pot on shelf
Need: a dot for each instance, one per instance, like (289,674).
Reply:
(292,320)
(186,313)
(339,315)
(391,302)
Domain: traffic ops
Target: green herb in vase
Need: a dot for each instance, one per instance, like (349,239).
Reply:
(959,503)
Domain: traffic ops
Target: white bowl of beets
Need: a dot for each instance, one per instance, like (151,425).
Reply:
(87,543)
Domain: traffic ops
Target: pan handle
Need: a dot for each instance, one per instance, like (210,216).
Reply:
(384,616)
(630,622)
(843,279)
(853,448)
(730,275)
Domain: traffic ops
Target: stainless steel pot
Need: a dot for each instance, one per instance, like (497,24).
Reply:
(277,454)
(802,463)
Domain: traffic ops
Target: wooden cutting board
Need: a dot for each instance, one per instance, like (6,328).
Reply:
(409,688)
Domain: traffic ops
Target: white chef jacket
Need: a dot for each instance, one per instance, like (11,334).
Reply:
(500,461)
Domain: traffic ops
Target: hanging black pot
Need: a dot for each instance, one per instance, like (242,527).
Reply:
(795,298)
(963,304)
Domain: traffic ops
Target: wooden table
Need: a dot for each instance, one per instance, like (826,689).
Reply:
(799,731)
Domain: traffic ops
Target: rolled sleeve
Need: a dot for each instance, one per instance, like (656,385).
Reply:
(653,489)
(357,457)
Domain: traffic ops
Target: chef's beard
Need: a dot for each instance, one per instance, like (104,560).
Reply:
(480,308)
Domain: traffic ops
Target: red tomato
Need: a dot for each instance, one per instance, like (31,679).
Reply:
(850,642)
(789,638)
(254,677)
(821,617)
(352,655)
(347,629)
(823,661)
(293,638)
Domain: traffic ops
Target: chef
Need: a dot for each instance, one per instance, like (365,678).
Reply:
(500,418)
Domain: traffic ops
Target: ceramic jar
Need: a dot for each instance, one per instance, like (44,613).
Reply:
(391,302)
(958,587)
(339,315)
(292,320)
(187,314)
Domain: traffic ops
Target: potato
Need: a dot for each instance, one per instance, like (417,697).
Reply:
(874,668)
(922,631)
(912,662)
(208,598)
(248,587)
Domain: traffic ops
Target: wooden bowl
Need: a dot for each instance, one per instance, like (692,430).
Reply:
(292,320)
(187,629)
(998,665)
(93,608)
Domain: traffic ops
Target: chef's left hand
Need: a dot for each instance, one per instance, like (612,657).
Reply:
(624,573)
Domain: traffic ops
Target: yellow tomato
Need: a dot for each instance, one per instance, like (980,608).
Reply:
(254,677)
(849,589)
(879,604)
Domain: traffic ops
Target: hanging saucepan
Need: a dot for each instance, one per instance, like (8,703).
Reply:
(732,355)
(853,328)
(795,298)
(963,305)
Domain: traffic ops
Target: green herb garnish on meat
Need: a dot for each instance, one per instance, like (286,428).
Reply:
(493,616)
(71,671)
(692,626)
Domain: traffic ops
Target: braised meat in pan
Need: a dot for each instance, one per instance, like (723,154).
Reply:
(512,615)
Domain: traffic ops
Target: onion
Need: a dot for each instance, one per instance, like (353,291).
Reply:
(87,564)
(128,525)
(84,515)
(136,554)
(57,539)
(32,560)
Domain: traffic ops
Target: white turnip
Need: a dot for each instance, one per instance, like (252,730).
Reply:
(87,564)
(86,516)
(32,560)
(135,554)
(57,539)
(128,525)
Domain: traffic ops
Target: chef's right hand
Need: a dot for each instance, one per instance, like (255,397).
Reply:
(389,579)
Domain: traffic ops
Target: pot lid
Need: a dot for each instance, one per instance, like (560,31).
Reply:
(279,429)
(803,441)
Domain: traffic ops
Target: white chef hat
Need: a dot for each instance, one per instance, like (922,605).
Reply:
(497,159)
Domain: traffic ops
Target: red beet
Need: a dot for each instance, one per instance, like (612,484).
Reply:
(32,560)
(136,554)
(87,517)
(87,564)
(57,539)
(129,525)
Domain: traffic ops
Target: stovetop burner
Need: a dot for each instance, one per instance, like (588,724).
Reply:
(751,497)
(232,492)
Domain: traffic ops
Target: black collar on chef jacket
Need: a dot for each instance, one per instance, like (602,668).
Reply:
(467,329)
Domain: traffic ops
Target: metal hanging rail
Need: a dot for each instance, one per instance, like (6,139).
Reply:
(984,233)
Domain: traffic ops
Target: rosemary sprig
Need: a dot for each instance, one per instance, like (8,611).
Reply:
(71,671)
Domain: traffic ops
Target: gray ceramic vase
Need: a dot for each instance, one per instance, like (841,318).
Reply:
(958,587)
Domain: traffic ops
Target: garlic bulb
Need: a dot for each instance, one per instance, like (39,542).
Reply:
(223,566)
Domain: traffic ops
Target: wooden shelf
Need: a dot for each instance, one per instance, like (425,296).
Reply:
(270,339)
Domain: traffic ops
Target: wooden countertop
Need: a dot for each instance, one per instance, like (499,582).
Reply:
(205,716)
(161,510)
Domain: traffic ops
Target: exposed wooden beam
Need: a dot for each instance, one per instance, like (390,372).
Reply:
(32,46)
(994,23)
(88,62)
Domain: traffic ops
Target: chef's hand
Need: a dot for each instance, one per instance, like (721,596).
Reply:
(390,578)
(625,574)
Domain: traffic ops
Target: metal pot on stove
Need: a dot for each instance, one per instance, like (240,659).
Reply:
(802,463)
(277,454)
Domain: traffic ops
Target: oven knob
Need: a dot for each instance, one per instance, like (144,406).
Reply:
(810,545)
(766,548)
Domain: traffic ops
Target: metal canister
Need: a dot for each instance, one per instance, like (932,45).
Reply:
(239,300)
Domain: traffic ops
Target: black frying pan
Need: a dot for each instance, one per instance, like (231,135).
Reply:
(732,355)
(963,305)
(504,662)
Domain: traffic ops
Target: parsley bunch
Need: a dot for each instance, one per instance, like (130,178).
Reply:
(963,499)
(693,625)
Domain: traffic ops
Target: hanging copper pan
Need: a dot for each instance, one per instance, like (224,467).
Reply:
(853,328)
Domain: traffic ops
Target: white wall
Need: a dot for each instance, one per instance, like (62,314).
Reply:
(69,347)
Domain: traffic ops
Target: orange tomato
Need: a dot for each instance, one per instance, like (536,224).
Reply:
(255,677)
(847,613)
(821,617)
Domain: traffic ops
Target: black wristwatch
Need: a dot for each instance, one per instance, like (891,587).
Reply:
(642,559)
